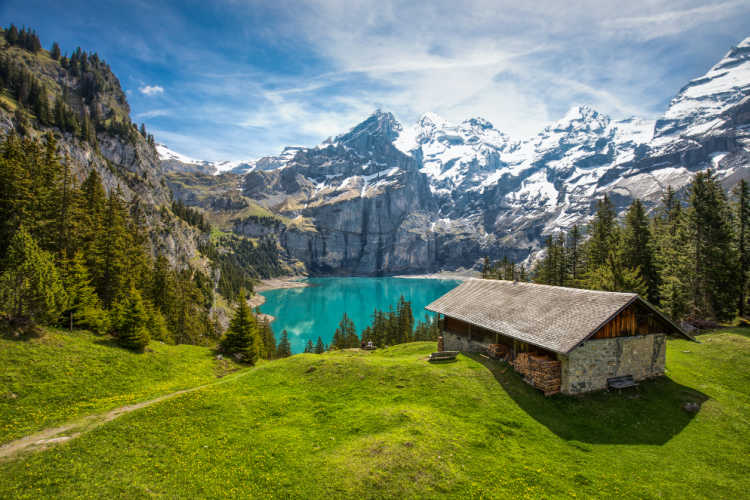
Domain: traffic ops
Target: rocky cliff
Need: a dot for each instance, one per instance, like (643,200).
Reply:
(85,109)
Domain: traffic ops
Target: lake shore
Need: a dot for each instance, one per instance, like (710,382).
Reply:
(274,284)
(462,274)
(282,282)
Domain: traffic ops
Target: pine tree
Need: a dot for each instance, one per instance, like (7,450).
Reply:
(30,287)
(405,320)
(309,347)
(83,309)
(284,349)
(638,251)
(602,233)
(486,267)
(157,325)
(319,348)
(673,256)
(615,276)
(16,188)
(90,207)
(742,237)
(241,338)
(268,338)
(345,335)
(132,321)
(113,244)
(715,292)
(522,274)
(66,219)
(574,251)
(55,52)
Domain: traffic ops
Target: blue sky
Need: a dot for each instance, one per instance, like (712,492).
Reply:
(241,79)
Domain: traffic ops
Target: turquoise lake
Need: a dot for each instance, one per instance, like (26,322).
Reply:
(306,313)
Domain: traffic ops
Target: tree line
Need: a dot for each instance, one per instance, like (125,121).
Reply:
(190,215)
(94,77)
(24,38)
(394,326)
(504,269)
(690,258)
(76,256)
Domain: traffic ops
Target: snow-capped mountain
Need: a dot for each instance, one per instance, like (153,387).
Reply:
(179,162)
(384,198)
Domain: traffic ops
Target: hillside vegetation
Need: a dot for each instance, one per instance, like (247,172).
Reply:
(63,376)
(388,424)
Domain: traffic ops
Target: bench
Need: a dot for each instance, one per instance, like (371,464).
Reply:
(622,382)
(443,356)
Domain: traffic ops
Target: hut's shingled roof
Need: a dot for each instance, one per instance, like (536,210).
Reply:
(552,317)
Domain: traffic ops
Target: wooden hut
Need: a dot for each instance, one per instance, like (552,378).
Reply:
(561,339)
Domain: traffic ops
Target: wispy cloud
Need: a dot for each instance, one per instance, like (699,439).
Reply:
(670,22)
(154,113)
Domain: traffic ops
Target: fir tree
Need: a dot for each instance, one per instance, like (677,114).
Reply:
(241,338)
(602,233)
(309,347)
(83,309)
(615,276)
(55,51)
(715,290)
(486,267)
(345,335)
(268,338)
(638,251)
(30,287)
(574,251)
(112,247)
(742,237)
(673,256)
(132,321)
(319,348)
(157,325)
(284,349)
(405,320)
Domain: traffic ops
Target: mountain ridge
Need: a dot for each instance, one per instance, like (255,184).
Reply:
(467,190)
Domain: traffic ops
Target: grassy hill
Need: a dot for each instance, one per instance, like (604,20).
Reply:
(388,424)
(62,376)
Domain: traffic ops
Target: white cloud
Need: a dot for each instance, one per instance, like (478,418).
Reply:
(151,90)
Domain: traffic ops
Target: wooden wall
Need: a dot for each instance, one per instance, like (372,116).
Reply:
(636,319)
(480,334)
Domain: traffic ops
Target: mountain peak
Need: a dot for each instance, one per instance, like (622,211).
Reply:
(380,126)
(479,122)
(582,116)
(737,55)
(699,105)
(431,119)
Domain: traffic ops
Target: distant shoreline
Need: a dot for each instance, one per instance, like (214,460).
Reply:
(283,282)
(258,300)
(462,275)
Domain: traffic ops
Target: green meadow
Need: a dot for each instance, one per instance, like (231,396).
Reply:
(384,424)
(62,376)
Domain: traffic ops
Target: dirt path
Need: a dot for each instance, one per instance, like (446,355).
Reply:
(54,435)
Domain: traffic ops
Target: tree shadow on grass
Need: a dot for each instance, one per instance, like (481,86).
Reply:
(650,414)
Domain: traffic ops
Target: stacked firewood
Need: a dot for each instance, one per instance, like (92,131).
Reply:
(498,351)
(539,371)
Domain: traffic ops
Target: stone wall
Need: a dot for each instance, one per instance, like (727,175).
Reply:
(455,342)
(588,367)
